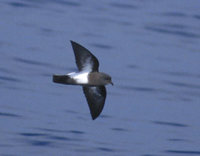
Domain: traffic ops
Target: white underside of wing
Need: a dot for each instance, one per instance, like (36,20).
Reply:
(88,65)
(81,77)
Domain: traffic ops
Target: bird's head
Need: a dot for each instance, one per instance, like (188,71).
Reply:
(107,79)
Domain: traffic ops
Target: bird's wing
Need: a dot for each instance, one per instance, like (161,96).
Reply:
(96,96)
(85,60)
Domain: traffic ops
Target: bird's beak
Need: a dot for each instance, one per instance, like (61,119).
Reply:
(111,83)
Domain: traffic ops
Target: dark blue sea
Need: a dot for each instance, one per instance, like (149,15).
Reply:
(151,48)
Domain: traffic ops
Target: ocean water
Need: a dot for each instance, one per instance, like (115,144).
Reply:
(151,49)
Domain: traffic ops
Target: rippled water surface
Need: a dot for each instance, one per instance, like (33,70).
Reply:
(150,48)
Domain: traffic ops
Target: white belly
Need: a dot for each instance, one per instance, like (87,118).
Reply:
(81,77)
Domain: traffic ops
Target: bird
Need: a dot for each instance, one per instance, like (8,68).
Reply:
(88,76)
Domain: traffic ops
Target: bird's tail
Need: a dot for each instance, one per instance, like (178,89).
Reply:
(64,79)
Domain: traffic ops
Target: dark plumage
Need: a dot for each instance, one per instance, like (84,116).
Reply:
(93,82)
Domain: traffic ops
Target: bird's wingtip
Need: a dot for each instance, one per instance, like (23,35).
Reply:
(94,117)
(73,42)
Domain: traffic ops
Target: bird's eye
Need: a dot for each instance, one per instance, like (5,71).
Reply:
(107,78)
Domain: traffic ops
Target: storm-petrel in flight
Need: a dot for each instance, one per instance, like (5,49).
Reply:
(89,77)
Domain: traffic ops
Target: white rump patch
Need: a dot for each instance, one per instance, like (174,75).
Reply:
(81,77)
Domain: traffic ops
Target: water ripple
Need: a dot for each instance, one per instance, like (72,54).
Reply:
(182,84)
(123,5)
(119,129)
(176,140)
(10,79)
(9,115)
(36,63)
(132,66)
(36,139)
(175,26)
(67,3)
(18,5)
(32,134)
(8,154)
(105,116)
(61,2)
(105,149)
(173,124)
(140,89)
(149,155)
(60,138)
(62,131)
(39,143)
(30,62)
(76,132)
(164,30)
(46,31)
(3,70)
(197,17)
(182,74)
(174,14)
(51,130)
(183,152)
(101,46)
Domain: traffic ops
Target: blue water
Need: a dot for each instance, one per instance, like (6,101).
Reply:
(150,48)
